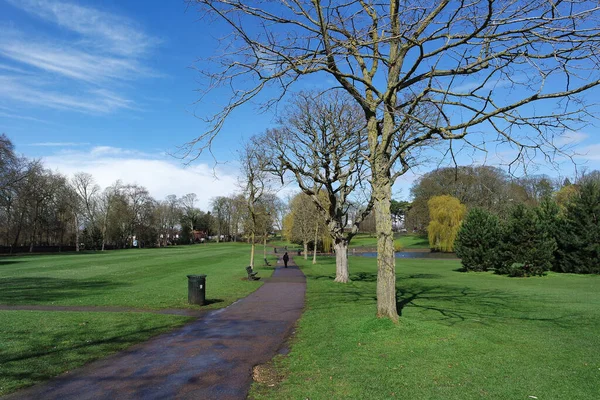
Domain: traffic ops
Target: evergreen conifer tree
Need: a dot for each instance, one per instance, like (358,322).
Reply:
(579,235)
(477,240)
(526,247)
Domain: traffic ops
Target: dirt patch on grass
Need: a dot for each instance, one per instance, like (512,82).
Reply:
(267,374)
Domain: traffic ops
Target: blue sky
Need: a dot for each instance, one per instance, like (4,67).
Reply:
(106,87)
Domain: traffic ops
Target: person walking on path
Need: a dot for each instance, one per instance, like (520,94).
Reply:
(286,258)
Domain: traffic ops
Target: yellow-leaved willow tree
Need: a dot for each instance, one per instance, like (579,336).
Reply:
(446,214)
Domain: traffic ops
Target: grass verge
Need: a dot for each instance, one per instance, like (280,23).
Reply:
(35,346)
(461,336)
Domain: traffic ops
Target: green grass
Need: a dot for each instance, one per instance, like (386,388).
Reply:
(408,241)
(461,336)
(36,345)
(414,241)
(140,278)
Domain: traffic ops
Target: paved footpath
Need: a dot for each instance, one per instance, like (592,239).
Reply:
(211,358)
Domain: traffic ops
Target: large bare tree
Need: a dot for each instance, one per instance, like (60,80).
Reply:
(397,57)
(321,142)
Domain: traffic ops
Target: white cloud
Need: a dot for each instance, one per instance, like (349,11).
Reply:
(161,177)
(570,138)
(490,84)
(23,117)
(70,62)
(591,152)
(116,34)
(94,101)
(12,69)
(98,54)
(57,144)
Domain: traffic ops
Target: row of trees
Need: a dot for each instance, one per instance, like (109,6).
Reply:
(486,187)
(420,73)
(39,207)
(530,240)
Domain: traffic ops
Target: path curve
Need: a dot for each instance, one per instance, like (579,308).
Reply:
(211,358)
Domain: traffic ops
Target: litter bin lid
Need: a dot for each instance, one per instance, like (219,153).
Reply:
(196,276)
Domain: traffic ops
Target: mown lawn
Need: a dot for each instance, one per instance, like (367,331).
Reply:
(461,336)
(408,241)
(140,278)
(36,345)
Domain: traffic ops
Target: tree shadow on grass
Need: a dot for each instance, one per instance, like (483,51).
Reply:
(45,358)
(16,291)
(4,261)
(453,305)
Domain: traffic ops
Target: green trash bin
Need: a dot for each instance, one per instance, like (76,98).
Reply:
(197,289)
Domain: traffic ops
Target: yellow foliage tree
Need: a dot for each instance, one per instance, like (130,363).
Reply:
(446,213)
(288,226)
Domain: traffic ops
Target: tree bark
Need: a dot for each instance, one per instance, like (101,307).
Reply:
(315,246)
(76,233)
(306,250)
(341,261)
(252,248)
(386,261)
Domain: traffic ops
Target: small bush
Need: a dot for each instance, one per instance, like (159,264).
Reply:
(397,246)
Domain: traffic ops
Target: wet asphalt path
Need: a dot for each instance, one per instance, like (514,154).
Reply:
(211,358)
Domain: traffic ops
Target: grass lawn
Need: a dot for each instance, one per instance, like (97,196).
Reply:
(408,241)
(461,336)
(140,278)
(36,345)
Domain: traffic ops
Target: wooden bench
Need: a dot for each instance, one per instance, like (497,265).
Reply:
(267,263)
(251,274)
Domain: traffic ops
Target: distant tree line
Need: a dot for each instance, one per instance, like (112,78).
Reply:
(47,211)
(486,187)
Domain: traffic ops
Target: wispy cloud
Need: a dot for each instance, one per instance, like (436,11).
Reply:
(570,138)
(84,68)
(69,62)
(57,144)
(23,117)
(93,101)
(9,68)
(591,152)
(107,32)
(490,84)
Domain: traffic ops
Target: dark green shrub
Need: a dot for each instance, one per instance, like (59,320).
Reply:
(525,242)
(578,236)
(477,241)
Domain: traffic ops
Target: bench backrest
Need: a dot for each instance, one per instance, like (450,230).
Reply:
(249,269)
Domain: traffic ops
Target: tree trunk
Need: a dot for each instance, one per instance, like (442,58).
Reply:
(265,247)
(76,233)
(315,246)
(305,250)
(386,261)
(252,248)
(341,260)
